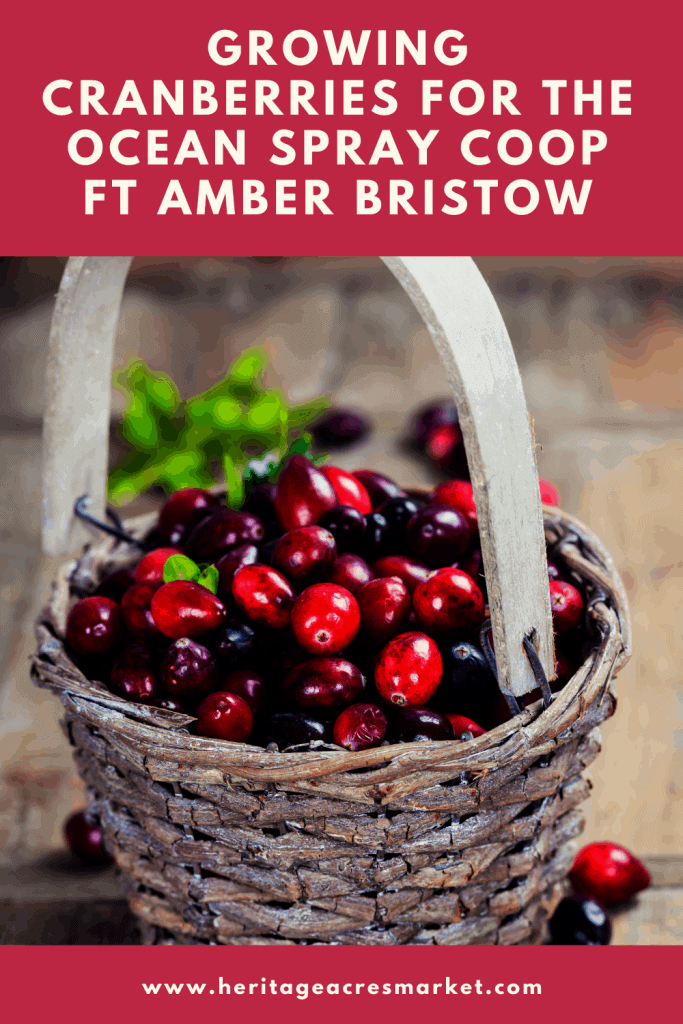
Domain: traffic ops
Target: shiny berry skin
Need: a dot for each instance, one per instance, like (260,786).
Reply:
(94,626)
(416,724)
(325,618)
(608,873)
(245,554)
(566,604)
(221,532)
(292,728)
(379,487)
(264,595)
(436,414)
(458,494)
(408,670)
(169,704)
(324,684)
(182,511)
(377,539)
(303,494)
(239,644)
(447,601)
(250,686)
(350,571)
(136,608)
(461,724)
(437,535)
(384,609)
(580,921)
(397,512)
(468,686)
(549,492)
(150,569)
(444,445)
(360,727)
(188,669)
(407,570)
(349,490)
(305,555)
(116,585)
(135,674)
(339,428)
(347,526)
(185,609)
(84,839)
(224,716)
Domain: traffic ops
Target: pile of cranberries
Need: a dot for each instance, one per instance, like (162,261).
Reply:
(333,606)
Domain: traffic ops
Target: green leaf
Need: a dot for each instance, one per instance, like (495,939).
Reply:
(180,567)
(234,484)
(248,366)
(305,413)
(259,471)
(265,412)
(209,578)
(139,426)
(217,411)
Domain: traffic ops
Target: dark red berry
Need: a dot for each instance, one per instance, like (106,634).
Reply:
(349,490)
(350,571)
(407,570)
(94,626)
(189,669)
(137,613)
(339,428)
(325,618)
(169,704)
(84,839)
(347,526)
(379,487)
(458,494)
(608,873)
(566,605)
(377,539)
(221,532)
(185,609)
(436,414)
(250,686)
(445,447)
(384,609)
(135,674)
(468,686)
(303,494)
(260,500)
(397,512)
(293,728)
(360,727)
(239,644)
(182,511)
(324,683)
(437,535)
(116,585)
(245,554)
(305,555)
(417,724)
(462,724)
(447,601)
(224,716)
(549,492)
(264,595)
(409,669)
(473,565)
(150,569)
(580,921)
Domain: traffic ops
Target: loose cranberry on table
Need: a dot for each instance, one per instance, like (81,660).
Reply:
(384,609)
(348,488)
(264,595)
(324,684)
(221,532)
(436,414)
(224,716)
(292,728)
(347,526)
(409,669)
(188,669)
(445,447)
(116,585)
(84,839)
(150,569)
(135,674)
(608,873)
(379,487)
(437,535)
(182,511)
(245,554)
(566,605)
(415,724)
(458,494)
(580,921)
(186,609)
(305,555)
(339,428)
(350,571)
(462,724)
(407,569)
(447,601)
(325,618)
(303,494)
(250,686)
(360,727)
(549,492)
(136,608)
(94,626)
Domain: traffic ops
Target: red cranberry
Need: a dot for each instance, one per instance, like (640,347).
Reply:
(608,873)
(449,600)
(185,609)
(182,511)
(407,570)
(84,839)
(303,494)
(418,724)
(580,921)
(549,492)
(436,414)
(150,569)
(437,535)
(135,674)
(305,555)
(221,532)
(347,526)
(458,494)
(293,728)
(325,618)
(188,670)
(339,428)
(444,445)
(115,585)
(379,487)
(169,704)
(566,605)
(137,613)
(224,716)
(384,609)
(350,571)
(409,669)
(264,594)
(324,683)
(349,490)
(461,724)
(245,554)
(360,727)
(250,686)
(94,626)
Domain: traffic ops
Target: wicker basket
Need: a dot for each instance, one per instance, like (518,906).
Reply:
(424,843)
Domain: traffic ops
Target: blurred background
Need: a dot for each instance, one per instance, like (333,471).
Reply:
(599,342)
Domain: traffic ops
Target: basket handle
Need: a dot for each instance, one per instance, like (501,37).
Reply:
(472,341)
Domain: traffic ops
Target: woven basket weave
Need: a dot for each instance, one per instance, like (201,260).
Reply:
(439,842)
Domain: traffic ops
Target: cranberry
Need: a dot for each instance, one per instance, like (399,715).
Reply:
(444,445)
(115,585)
(380,488)
(325,618)
(305,555)
(468,686)
(264,594)
(360,727)
(261,501)
(384,609)
(136,608)
(436,414)
(449,600)
(245,554)
(473,565)
(417,724)
(407,570)
(377,539)
(188,669)
(458,494)
(84,839)
(94,626)
(224,716)
(566,605)
(239,643)
(553,572)
(549,492)
(169,704)
(437,535)
(608,873)
(150,569)
(182,511)
(409,669)
(185,609)
(397,512)
(349,490)
(303,494)
(250,686)
(221,532)
(339,428)
(347,526)
(461,724)
(324,683)
(135,674)
(292,728)
(350,571)
(580,921)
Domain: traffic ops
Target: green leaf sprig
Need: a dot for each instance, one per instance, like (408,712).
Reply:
(180,567)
